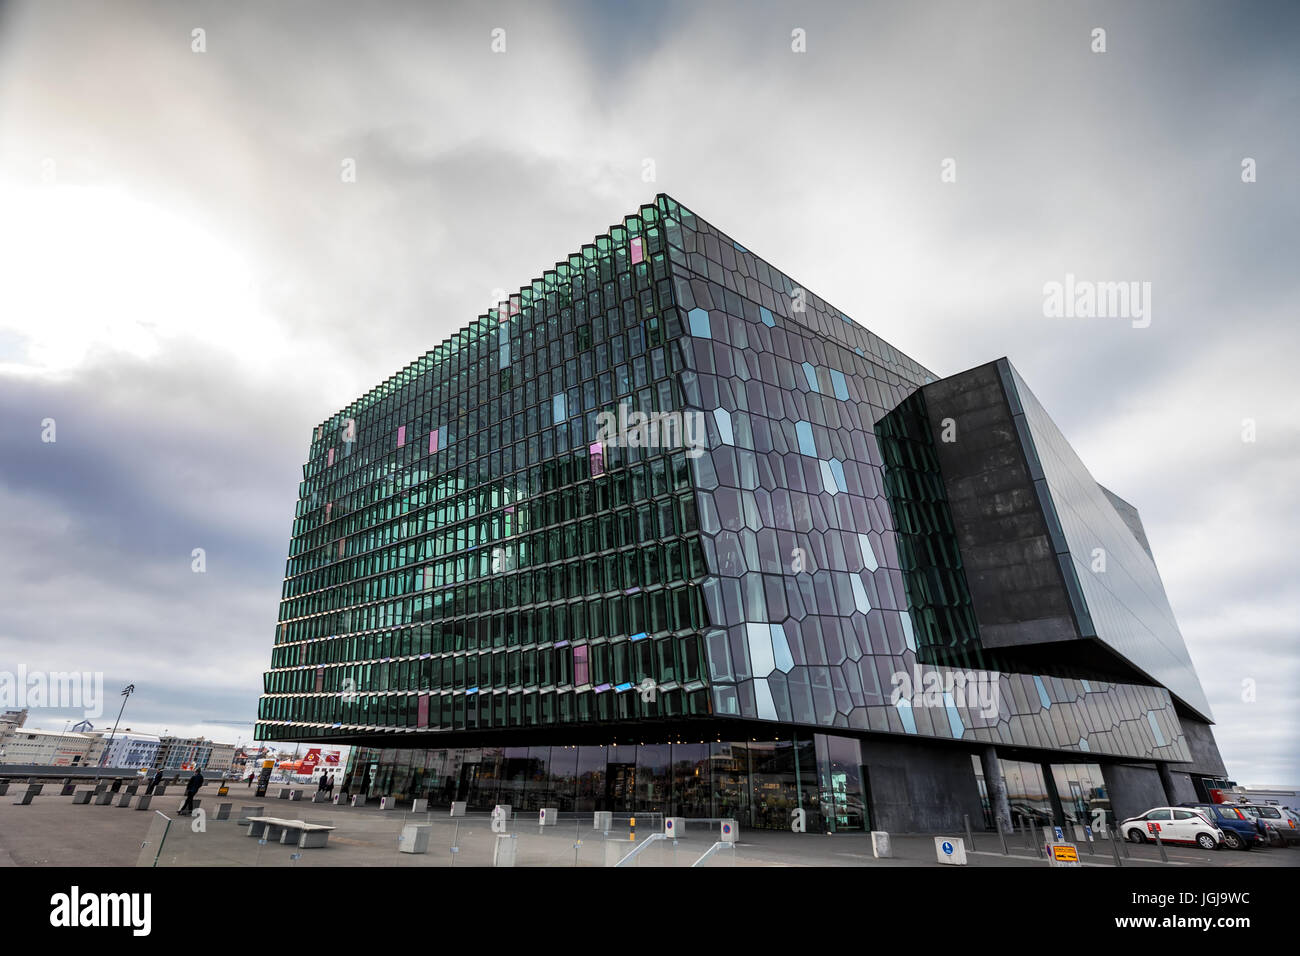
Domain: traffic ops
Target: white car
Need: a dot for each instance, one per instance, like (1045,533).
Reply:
(1176,825)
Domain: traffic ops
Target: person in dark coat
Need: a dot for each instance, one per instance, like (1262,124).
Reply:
(157,779)
(191,788)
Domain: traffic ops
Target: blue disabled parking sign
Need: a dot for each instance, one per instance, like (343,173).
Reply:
(1059,835)
(947,847)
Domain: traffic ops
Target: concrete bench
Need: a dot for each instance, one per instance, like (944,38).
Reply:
(289,832)
(124,799)
(223,810)
(69,788)
(104,798)
(143,802)
(28,794)
(82,797)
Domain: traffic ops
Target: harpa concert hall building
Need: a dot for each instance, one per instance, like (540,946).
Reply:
(667,532)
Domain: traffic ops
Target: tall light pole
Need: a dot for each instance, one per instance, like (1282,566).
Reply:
(127,691)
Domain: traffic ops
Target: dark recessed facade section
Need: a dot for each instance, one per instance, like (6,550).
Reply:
(1010,563)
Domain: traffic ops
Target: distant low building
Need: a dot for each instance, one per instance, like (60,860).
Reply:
(130,749)
(45,748)
(221,758)
(189,753)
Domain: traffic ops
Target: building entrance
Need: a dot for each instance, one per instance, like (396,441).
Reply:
(620,786)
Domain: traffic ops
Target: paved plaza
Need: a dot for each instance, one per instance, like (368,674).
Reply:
(52,831)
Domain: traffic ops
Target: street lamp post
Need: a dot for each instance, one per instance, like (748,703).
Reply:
(127,691)
(55,760)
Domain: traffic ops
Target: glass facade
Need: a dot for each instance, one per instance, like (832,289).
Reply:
(646,493)
(757,783)
(1121,602)
(1079,786)
(470,554)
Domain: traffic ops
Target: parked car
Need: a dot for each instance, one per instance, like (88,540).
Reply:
(1240,832)
(1176,825)
(1280,829)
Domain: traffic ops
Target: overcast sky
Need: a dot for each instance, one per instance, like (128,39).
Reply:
(188,286)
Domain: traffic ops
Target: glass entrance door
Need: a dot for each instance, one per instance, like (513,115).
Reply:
(620,786)
(468,781)
(843,781)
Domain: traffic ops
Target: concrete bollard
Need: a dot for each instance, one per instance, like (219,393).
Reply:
(728,831)
(548,817)
(506,850)
(950,850)
(420,805)
(881,847)
(415,838)
(675,828)
(143,802)
(124,800)
(458,808)
(603,820)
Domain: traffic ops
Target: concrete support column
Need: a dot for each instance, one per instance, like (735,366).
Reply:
(996,787)
(1058,812)
(1167,783)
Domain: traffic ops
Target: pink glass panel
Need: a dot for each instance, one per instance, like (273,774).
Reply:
(401,435)
(635,247)
(579,665)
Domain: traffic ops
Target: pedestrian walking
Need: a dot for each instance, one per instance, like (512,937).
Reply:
(191,788)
